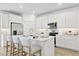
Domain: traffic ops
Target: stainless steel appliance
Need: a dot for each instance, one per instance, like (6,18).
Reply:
(54,32)
(52,25)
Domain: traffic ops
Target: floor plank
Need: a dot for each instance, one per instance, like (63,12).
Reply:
(65,52)
(58,52)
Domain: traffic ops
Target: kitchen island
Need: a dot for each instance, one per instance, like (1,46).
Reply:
(47,45)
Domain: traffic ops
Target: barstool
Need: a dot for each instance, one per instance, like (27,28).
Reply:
(28,47)
(15,45)
(20,50)
(8,45)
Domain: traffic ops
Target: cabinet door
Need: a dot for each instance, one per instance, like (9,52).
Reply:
(15,18)
(77,18)
(77,43)
(61,20)
(38,23)
(44,22)
(0,40)
(70,42)
(28,26)
(52,18)
(5,21)
(60,41)
(0,22)
(71,20)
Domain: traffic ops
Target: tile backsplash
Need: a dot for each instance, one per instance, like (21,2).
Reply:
(68,31)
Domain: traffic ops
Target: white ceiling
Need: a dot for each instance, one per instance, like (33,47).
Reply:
(39,8)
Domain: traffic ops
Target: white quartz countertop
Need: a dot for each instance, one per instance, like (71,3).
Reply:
(47,45)
(42,39)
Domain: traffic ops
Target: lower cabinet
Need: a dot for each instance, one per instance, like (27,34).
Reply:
(60,41)
(69,42)
(77,43)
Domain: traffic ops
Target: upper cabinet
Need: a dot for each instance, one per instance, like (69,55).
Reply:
(61,23)
(52,18)
(44,22)
(38,23)
(71,20)
(0,21)
(41,22)
(67,19)
(60,40)
(4,20)
(59,18)
(78,18)
(15,18)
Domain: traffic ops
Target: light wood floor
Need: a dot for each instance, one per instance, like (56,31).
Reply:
(65,52)
(58,52)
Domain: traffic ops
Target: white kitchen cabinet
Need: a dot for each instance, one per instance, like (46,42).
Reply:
(0,40)
(28,27)
(59,18)
(4,20)
(44,22)
(65,19)
(73,42)
(61,23)
(77,18)
(71,20)
(60,40)
(77,43)
(70,42)
(41,22)
(52,18)
(4,24)
(15,18)
(0,22)
(38,23)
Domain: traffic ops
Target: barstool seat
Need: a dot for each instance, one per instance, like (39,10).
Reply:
(15,41)
(8,45)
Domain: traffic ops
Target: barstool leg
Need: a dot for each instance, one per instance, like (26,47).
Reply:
(40,52)
(18,49)
(22,50)
(6,48)
(11,52)
(13,49)
(30,51)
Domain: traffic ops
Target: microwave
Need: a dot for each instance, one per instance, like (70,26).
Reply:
(52,25)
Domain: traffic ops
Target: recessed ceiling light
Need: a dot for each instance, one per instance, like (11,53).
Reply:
(20,6)
(59,4)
